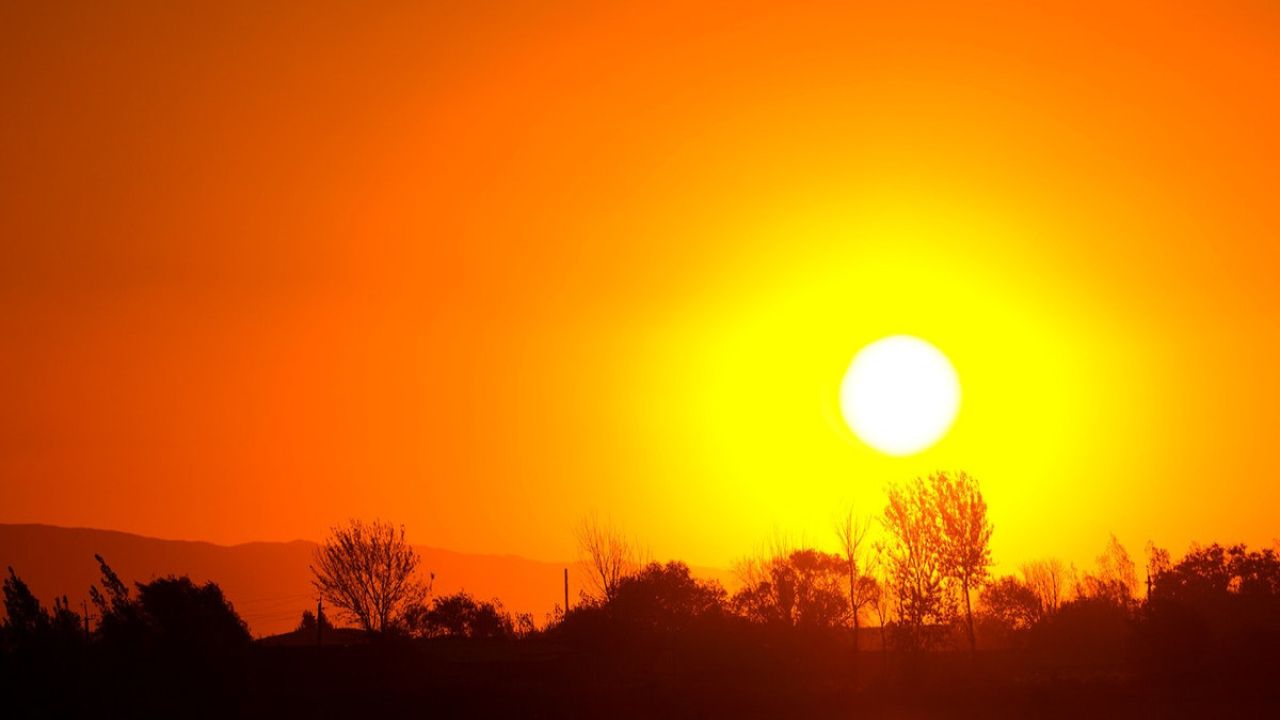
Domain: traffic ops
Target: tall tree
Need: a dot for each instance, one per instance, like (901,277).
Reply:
(913,551)
(966,536)
(852,533)
(878,574)
(369,571)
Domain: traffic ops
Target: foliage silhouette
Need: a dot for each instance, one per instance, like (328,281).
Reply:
(1011,604)
(460,615)
(916,570)
(800,590)
(966,537)
(169,615)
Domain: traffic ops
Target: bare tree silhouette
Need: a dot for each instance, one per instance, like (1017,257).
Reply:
(1116,579)
(852,533)
(607,555)
(368,570)
(880,600)
(1051,580)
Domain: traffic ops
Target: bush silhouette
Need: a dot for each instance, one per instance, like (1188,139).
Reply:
(460,615)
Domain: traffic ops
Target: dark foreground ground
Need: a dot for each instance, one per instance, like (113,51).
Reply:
(543,679)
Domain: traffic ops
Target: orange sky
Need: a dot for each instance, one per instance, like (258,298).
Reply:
(484,268)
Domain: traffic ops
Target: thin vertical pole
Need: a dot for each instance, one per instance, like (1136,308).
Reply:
(566,591)
(319,622)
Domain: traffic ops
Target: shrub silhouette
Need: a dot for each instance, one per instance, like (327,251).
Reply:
(29,628)
(460,615)
(803,589)
(169,615)
(655,605)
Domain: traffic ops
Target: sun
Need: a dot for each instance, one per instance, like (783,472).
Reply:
(900,395)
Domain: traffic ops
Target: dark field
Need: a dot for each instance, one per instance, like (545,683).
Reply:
(539,677)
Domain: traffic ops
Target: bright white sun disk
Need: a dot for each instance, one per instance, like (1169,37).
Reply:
(900,395)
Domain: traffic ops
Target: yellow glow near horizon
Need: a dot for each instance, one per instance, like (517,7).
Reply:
(900,395)
(749,373)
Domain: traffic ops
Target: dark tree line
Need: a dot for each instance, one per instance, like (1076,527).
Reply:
(168,614)
(923,589)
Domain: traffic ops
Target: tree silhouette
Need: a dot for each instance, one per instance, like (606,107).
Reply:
(460,615)
(185,615)
(1221,601)
(170,615)
(25,619)
(1011,603)
(1116,580)
(119,618)
(368,570)
(655,609)
(802,589)
(665,598)
(607,555)
(966,535)
(863,588)
(881,598)
(914,553)
(1051,580)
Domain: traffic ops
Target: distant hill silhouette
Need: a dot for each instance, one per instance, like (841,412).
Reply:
(268,582)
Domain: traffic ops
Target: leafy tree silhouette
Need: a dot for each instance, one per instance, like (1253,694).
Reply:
(170,614)
(187,616)
(1011,603)
(802,589)
(1217,604)
(460,615)
(665,598)
(916,570)
(966,536)
(655,608)
(26,620)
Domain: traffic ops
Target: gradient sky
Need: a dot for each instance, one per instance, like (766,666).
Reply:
(485,268)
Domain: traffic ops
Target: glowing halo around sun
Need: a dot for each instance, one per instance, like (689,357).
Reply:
(900,395)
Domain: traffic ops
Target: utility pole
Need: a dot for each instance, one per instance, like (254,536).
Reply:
(566,592)
(85,607)
(319,622)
